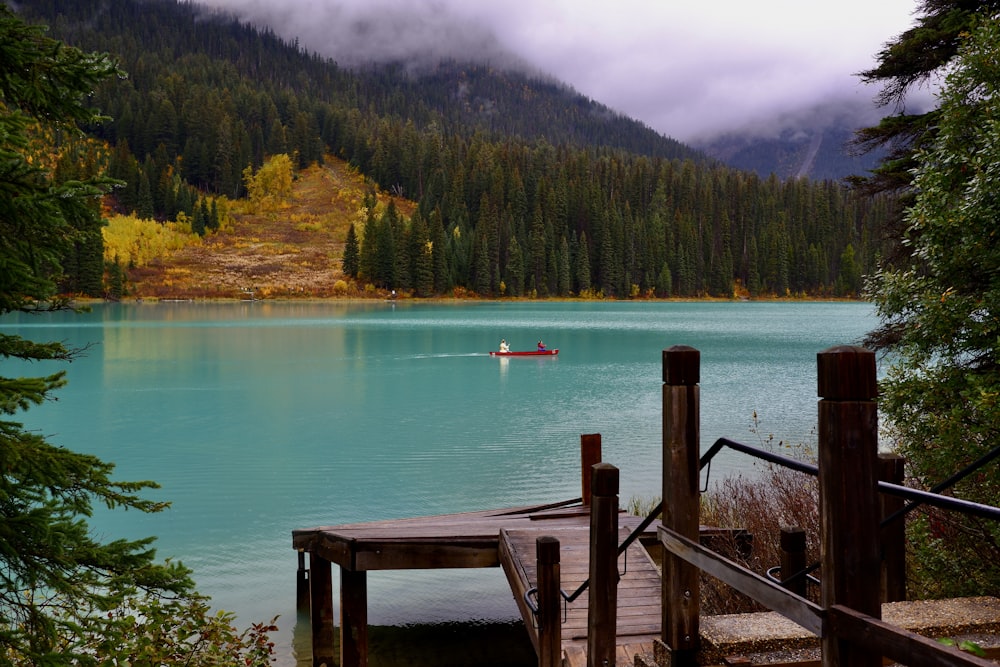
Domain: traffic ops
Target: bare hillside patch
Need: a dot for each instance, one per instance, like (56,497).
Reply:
(294,251)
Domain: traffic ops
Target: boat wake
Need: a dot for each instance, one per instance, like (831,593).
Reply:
(444,355)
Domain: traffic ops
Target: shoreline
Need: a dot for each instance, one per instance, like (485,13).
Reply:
(465,300)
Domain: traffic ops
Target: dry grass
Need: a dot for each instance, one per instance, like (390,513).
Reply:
(293,252)
(754,510)
(762,506)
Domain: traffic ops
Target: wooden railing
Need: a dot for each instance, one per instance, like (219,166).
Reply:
(847,620)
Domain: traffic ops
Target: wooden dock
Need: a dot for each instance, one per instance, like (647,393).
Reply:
(639,590)
(493,538)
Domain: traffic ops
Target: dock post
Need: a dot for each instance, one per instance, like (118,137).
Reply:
(321,611)
(549,602)
(681,498)
(848,494)
(353,618)
(893,535)
(793,559)
(302,584)
(590,455)
(602,611)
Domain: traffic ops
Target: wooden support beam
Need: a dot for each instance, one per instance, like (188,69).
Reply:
(353,618)
(321,611)
(590,455)
(848,495)
(549,602)
(681,444)
(602,616)
(302,584)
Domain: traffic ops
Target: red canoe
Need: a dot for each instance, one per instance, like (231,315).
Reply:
(527,353)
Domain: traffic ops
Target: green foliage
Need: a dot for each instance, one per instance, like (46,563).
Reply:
(965,645)
(941,392)
(155,631)
(351,260)
(63,593)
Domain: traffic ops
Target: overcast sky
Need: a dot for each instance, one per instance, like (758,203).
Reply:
(687,69)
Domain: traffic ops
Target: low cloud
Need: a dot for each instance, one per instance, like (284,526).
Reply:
(687,71)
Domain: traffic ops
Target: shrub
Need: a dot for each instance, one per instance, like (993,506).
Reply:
(760,506)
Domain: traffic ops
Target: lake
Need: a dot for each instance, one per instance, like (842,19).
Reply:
(258,418)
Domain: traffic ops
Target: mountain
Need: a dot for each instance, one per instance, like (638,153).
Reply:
(515,104)
(812,143)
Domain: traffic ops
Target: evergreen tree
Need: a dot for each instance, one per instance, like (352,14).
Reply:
(514,271)
(665,281)
(116,279)
(564,280)
(206,215)
(909,60)
(404,247)
(369,249)
(213,222)
(940,393)
(198,225)
(537,256)
(351,253)
(582,272)
(145,207)
(385,249)
(423,260)
(482,278)
(849,278)
(60,581)
(440,253)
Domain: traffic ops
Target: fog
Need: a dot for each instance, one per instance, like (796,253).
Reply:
(688,70)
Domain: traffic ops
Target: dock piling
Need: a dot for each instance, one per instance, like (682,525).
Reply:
(848,494)
(321,610)
(549,602)
(590,455)
(602,612)
(302,583)
(681,498)
(793,559)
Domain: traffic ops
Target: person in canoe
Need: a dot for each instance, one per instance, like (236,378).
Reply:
(541,346)
(504,347)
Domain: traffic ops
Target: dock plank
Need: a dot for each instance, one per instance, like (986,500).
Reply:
(638,618)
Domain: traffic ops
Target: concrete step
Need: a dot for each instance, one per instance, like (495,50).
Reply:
(768,638)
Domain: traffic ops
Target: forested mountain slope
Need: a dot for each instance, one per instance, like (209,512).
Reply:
(522,187)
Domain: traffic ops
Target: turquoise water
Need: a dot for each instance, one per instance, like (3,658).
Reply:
(261,417)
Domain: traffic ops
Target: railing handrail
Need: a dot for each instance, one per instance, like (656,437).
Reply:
(916,496)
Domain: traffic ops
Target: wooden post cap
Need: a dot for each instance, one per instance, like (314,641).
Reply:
(793,538)
(846,373)
(547,550)
(604,481)
(681,365)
